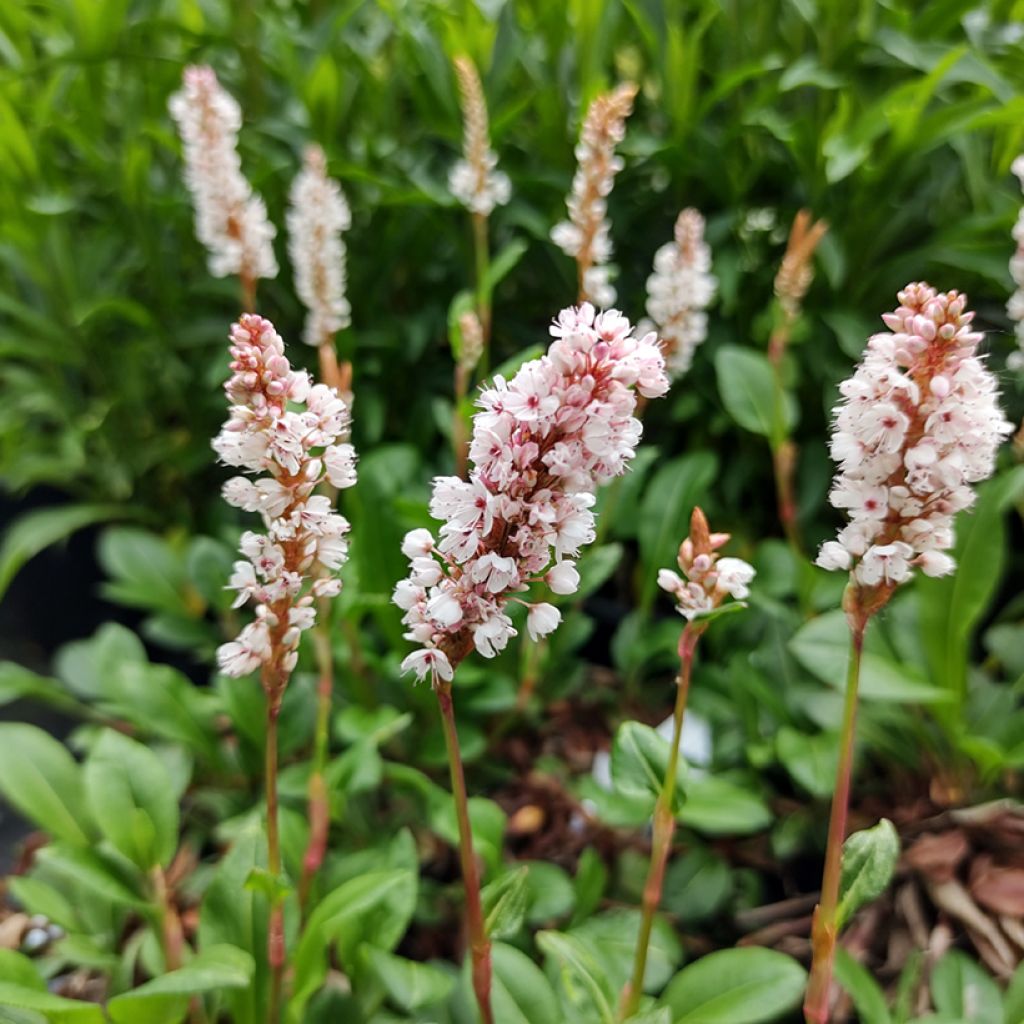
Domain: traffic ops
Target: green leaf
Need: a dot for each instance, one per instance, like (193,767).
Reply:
(869,860)
(505,902)
(1014,1005)
(716,613)
(41,779)
(132,800)
(750,394)
(822,646)
(56,1009)
(810,760)
(640,758)
(147,571)
(374,907)
(717,806)
(409,984)
(736,986)
(42,527)
(582,978)
(951,607)
(520,993)
(550,892)
(18,969)
(867,995)
(962,990)
(19,683)
(665,510)
(504,262)
(164,1000)
(697,884)
(94,871)
(612,936)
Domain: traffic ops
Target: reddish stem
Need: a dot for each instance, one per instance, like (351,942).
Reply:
(480,946)
(825,928)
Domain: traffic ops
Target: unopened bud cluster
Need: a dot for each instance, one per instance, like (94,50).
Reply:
(707,580)
(586,235)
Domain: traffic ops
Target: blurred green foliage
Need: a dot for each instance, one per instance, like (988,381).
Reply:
(896,122)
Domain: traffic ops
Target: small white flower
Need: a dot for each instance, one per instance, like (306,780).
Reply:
(542,619)
(427,662)
(417,543)
(563,578)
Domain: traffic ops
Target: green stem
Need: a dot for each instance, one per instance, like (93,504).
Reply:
(664,829)
(480,946)
(482,259)
(275,931)
(825,929)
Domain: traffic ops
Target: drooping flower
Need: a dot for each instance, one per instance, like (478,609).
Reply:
(680,290)
(231,220)
(586,235)
(1015,307)
(316,219)
(475,180)
(707,580)
(541,444)
(297,557)
(918,424)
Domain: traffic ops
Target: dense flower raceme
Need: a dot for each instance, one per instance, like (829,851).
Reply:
(231,220)
(297,557)
(541,444)
(586,235)
(796,272)
(918,424)
(1015,307)
(680,290)
(316,219)
(475,180)
(709,580)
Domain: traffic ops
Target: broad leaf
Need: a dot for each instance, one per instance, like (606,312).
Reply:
(736,986)
(132,800)
(41,779)
(869,860)
(640,758)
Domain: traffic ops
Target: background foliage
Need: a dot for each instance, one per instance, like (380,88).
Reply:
(896,122)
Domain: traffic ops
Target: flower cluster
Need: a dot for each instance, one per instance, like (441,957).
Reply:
(474,180)
(709,580)
(296,450)
(541,444)
(316,218)
(918,424)
(796,271)
(586,235)
(680,290)
(471,348)
(1015,307)
(231,220)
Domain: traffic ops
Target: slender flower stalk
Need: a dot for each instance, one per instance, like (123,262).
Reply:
(586,235)
(1015,307)
(230,219)
(317,216)
(918,425)
(542,442)
(477,184)
(295,560)
(680,290)
(709,580)
(791,284)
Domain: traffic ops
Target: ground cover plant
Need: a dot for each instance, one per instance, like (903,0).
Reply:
(561,560)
